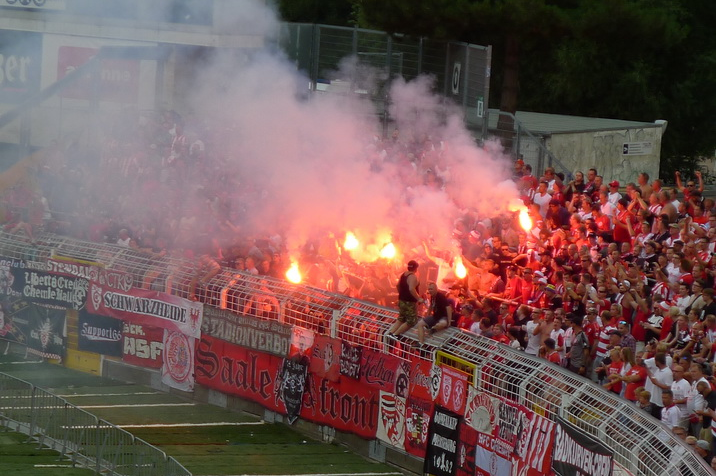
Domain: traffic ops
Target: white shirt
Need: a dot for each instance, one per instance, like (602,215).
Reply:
(681,390)
(664,377)
(533,341)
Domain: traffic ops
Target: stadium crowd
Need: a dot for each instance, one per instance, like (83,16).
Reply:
(613,281)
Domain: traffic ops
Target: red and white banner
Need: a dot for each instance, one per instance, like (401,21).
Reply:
(239,371)
(346,406)
(325,358)
(117,79)
(453,390)
(391,419)
(151,308)
(178,362)
(418,412)
(512,441)
(142,345)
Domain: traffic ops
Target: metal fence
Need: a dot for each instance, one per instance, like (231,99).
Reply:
(363,63)
(78,435)
(522,143)
(642,445)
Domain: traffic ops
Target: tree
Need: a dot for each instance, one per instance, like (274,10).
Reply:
(329,12)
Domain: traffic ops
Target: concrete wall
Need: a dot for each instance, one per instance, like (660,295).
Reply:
(603,150)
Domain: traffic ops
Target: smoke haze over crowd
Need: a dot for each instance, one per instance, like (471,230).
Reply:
(321,166)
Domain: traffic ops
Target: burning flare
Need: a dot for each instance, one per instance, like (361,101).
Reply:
(525,220)
(351,242)
(293,274)
(388,251)
(460,270)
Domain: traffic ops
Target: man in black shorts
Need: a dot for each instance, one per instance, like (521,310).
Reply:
(440,313)
(408,300)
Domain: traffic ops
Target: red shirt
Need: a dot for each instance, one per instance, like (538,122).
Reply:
(632,386)
(592,329)
(637,331)
(614,369)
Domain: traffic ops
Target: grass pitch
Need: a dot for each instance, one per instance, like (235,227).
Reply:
(207,440)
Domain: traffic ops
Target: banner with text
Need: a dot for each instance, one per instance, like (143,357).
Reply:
(100,334)
(292,387)
(347,406)
(50,289)
(239,371)
(142,345)
(151,308)
(90,271)
(577,454)
(350,360)
(441,455)
(266,336)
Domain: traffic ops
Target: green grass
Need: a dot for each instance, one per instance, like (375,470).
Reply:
(18,458)
(214,450)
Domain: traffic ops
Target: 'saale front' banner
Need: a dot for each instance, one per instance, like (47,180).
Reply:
(100,334)
(441,457)
(577,454)
(239,371)
(142,345)
(151,308)
(178,361)
(346,405)
(50,289)
(266,336)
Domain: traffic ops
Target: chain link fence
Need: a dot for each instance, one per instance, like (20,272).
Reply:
(363,63)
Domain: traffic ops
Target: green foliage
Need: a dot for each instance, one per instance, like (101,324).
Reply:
(328,12)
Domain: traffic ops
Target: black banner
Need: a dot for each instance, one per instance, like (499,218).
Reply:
(41,329)
(292,386)
(100,334)
(350,360)
(443,437)
(50,289)
(577,454)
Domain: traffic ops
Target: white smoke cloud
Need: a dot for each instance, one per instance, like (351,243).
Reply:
(319,165)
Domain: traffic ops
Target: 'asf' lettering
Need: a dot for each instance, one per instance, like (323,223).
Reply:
(348,408)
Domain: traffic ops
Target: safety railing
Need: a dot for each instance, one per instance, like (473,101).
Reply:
(78,435)
(642,445)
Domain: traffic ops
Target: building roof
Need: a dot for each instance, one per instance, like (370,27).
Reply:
(546,124)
